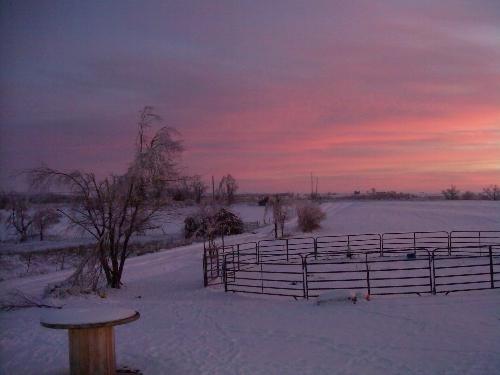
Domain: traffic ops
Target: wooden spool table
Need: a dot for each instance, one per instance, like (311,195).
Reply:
(91,336)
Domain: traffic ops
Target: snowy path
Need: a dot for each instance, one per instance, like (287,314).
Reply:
(186,329)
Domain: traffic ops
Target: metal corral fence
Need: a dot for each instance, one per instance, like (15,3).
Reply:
(376,264)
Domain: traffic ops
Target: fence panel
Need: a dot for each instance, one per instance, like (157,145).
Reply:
(467,240)
(279,278)
(290,248)
(408,240)
(401,272)
(466,270)
(349,243)
(332,271)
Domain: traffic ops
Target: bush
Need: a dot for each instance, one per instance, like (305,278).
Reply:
(209,222)
(309,216)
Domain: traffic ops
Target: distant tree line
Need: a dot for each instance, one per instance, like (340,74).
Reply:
(490,192)
(382,195)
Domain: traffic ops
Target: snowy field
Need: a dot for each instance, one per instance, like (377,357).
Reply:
(186,329)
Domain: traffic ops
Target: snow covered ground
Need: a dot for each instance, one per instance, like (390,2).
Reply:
(186,329)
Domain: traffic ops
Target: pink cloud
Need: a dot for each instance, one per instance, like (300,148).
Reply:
(386,94)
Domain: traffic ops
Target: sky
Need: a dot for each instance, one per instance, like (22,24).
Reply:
(393,95)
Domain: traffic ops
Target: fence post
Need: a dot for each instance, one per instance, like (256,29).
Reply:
(218,259)
(224,272)
(430,273)
(433,272)
(315,249)
(286,241)
(367,274)
(257,248)
(479,243)
(380,245)
(238,248)
(414,241)
(492,278)
(349,255)
(205,266)
(262,278)
(449,243)
(304,277)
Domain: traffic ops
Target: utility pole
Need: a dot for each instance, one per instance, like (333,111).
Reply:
(312,186)
(213,189)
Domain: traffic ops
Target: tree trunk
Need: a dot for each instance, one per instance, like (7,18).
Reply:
(24,236)
(115,281)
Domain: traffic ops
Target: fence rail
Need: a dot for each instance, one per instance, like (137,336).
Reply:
(391,263)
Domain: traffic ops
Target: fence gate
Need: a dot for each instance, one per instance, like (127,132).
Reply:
(213,259)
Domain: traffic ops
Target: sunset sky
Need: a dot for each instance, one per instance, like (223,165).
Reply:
(395,95)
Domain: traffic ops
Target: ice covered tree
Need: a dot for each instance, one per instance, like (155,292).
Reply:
(279,206)
(115,208)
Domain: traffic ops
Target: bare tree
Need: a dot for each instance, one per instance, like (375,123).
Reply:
(115,208)
(492,192)
(19,217)
(227,189)
(279,206)
(45,218)
(452,193)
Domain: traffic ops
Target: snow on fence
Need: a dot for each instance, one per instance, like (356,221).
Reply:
(378,264)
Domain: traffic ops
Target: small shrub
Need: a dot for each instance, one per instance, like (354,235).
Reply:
(309,216)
